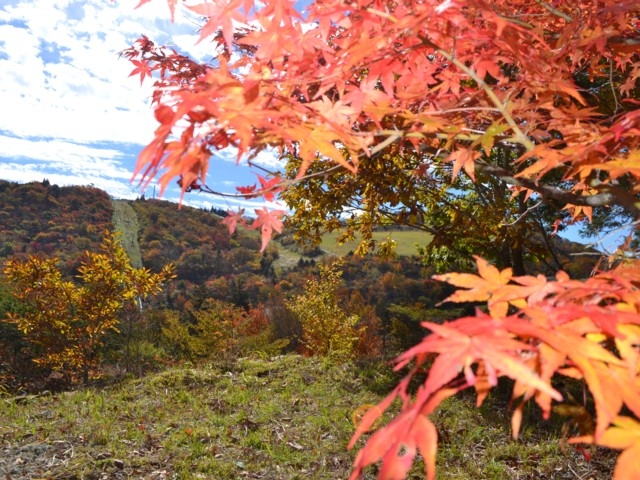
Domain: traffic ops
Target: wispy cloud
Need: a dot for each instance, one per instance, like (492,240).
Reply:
(71,113)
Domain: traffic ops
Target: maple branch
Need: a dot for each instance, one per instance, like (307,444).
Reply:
(394,135)
(277,187)
(519,134)
(612,40)
(522,216)
(617,39)
(465,109)
(519,22)
(613,90)
(609,194)
(555,11)
(206,189)
(613,232)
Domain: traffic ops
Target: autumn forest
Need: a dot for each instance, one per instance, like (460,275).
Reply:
(476,133)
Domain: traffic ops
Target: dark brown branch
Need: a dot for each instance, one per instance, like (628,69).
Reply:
(609,194)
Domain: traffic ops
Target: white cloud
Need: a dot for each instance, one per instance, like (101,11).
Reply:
(63,78)
(71,157)
(201,200)
(34,172)
(70,111)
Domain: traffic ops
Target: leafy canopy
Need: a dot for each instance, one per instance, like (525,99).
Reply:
(537,99)
(68,321)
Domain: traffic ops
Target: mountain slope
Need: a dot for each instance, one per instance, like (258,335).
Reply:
(40,218)
(125,221)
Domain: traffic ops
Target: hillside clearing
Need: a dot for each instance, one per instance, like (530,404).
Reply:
(287,417)
(406,241)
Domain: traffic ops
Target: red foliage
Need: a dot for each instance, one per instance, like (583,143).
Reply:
(451,80)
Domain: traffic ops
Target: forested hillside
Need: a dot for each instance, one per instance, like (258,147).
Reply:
(221,281)
(227,300)
(223,285)
(40,218)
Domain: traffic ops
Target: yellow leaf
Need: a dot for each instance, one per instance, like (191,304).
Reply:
(480,287)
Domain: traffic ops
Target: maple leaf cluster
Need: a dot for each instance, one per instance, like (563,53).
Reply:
(451,82)
(560,327)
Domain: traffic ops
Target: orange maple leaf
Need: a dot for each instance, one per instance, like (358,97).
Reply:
(269,187)
(463,158)
(480,287)
(623,434)
(396,444)
(233,219)
(465,341)
(267,221)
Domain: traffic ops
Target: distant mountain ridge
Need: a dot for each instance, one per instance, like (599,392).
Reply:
(46,219)
(41,218)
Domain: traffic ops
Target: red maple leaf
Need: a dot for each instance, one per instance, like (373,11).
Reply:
(268,221)
(233,219)
(247,191)
(269,187)
(142,68)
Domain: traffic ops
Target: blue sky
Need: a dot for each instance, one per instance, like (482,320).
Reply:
(70,112)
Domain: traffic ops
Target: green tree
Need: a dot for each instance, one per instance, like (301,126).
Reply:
(205,332)
(68,321)
(464,218)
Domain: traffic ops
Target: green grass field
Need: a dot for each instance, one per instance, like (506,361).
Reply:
(406,241)
(281,418)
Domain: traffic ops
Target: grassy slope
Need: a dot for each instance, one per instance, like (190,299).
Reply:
(406,241)
(125,221)
(286,259)
(282,418)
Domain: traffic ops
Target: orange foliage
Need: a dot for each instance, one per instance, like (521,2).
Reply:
(451,81)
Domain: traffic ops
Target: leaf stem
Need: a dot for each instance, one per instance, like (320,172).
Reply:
(520,137)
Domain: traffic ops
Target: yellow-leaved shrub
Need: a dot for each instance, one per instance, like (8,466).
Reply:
(327,329)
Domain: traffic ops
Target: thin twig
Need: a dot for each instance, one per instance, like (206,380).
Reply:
(580,477)
(465,137)
(555,11)
(385,143)
(519,135)
(522,216)
(612,233)
(613,90)
(276,188)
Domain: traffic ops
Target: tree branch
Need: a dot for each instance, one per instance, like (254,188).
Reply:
(522,216)
(520,137)
(555,11)
(609,194)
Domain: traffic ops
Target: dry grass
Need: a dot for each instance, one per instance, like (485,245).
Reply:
(282,418)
